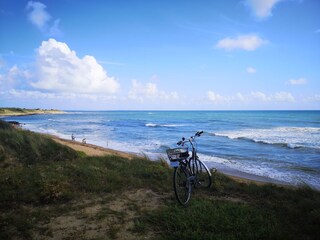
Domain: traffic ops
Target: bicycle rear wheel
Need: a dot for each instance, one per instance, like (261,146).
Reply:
(203,175)
(181,185)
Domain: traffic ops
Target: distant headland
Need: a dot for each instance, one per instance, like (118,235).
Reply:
(25,111)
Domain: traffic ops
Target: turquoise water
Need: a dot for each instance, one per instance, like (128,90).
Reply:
(275,145)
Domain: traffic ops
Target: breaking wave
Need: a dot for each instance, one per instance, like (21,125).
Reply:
(291,137)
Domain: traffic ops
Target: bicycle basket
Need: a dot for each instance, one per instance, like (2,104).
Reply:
(176,154)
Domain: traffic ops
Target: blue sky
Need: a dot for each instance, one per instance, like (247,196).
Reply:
(161,55)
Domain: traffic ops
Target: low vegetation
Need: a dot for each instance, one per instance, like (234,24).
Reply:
(25,111)
(49,191)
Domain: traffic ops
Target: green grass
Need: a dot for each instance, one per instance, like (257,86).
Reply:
(205,219)
(260,212)
(66,180)
(3,110)
(19,147)
(25,111)
(40,180)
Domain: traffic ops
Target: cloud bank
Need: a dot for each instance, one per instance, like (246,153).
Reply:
(149,91)
(254,96)
(59,69)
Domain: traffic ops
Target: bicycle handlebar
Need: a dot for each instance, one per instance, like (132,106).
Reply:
(197,134)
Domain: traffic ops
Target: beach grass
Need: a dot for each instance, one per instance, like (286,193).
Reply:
(24,147)
(49,190)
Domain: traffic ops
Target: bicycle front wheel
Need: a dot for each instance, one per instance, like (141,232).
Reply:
(203,175)
(181,185)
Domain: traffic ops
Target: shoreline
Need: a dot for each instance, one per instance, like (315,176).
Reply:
(95,150)
(243,177)
(98,151)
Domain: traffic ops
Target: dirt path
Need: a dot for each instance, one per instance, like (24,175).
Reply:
(107,217)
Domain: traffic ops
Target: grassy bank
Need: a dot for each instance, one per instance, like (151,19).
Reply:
(51,191)
(24,111)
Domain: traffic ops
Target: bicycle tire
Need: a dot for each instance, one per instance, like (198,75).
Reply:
(203,175)
(181,185)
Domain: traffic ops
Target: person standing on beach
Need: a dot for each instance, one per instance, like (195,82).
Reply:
(72,137)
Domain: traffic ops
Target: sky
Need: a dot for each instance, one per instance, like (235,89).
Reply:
(160,54)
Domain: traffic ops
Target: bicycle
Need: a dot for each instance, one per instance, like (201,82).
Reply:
(188,172)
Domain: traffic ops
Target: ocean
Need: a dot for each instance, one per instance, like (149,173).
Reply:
(274,146)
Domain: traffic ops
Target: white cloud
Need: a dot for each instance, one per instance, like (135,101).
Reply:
(262,8)
(245,42)
(54,29)
(30,94)
(260,96)
(219,99)
(251,70)
(216,98)
(299,81)
(276,97)
(149,91)
(14,73)
(38,14)
(240,97)
(14,76)
(59,69)
(40,17)
(283,97)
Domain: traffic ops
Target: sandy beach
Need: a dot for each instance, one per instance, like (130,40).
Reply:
(90,149)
